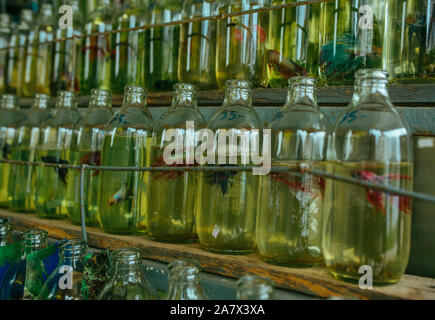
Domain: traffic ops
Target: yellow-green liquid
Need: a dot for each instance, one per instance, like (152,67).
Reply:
(226,211)
(128,216)
(22,180)
(197,54)
(91,185)
(7,139)
(172,203)
(50,189)
(242,46)
(293,43)
(367,227)
(289,225)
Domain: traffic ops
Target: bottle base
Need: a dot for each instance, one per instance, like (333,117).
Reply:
(294,263)
(228,251)
(173,240)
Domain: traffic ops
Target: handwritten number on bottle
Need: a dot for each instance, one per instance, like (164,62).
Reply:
(231,115)
(349,117)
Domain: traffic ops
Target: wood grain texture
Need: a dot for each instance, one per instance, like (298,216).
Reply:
(403,95)
(313,281)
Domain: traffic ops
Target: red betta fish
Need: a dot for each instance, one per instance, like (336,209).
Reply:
(92,159)
(168,175)
(377,198)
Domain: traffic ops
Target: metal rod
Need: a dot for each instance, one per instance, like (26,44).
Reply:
(303,170)
(82,202)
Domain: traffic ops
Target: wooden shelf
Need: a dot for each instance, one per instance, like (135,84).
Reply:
(312,281)
(402,95)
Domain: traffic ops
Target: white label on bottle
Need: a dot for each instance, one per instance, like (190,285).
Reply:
(216,231)
(425,143)
(365,25)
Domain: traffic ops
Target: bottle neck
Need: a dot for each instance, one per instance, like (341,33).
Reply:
(184,97)
(373,86)
(8,102)
(255,288)
(301,97)
(101,101)
(46,12)
(134,100)
(238,96)
(33,240)
(41,102)
(66,100)
(128,270)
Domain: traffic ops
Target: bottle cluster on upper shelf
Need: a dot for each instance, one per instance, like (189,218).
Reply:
(329,41)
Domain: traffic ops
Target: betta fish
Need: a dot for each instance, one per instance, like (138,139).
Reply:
(120,196)
(220,179)
(92,159)
(285,66)
(168,175)
(6,151)
(61,172)
(376,197)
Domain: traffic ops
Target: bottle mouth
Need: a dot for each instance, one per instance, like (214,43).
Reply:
(135,89)
(5,228)
(41,100)
(96,93)
(372,74)
(34,237)
(73,247)
(255,281)
(125,255)
(8,101)
(300,80)
(184,270)
(185,87)
(239,84)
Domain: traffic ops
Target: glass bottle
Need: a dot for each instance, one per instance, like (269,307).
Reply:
(293,42)
(128,281)
(227,201)
(161,45)
(56,134)
(6,236)
(67,58)
(196,58)
(362,226)
(22,180)
(95,50)
(17,53)
(171,212)
(5,35)
(409,47)
(10,119)
(123,200)
(184,281)
(12,287)
(127,48)
(242,43)
(85,148)
(38,67)
(65,282)
(289,225)
(255,288)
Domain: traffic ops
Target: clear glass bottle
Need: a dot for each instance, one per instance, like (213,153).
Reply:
(172,209)
(293,42)
(409,47)
(242,43)
(38,67)
(161,45)
(128,281)
(351,35)
(10,119)
(289,225)
(5,35)
(196,58)
(12,287)
(370,142)
(6,236)
(255,288)
(226,203)
(17,53)
(65,282)
(184,281)
(56,134)
(95,50)
(127,48)
(85,148)
(67,53)
(22,179)
(123,199)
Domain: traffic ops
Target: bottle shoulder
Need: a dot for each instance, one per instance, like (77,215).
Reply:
(237,117)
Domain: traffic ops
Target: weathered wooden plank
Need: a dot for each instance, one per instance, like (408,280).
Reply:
(312,281)
(404,95)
